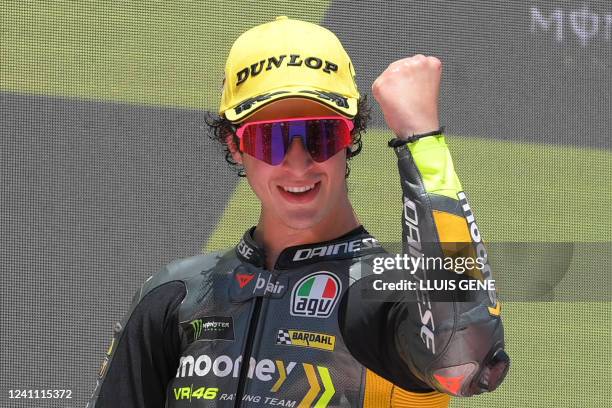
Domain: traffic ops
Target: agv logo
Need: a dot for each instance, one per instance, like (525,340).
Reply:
(315,295)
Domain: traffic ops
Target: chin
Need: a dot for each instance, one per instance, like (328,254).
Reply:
(302,220)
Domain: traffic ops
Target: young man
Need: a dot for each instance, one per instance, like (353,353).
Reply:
(281,320)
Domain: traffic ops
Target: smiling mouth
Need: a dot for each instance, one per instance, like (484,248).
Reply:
(298,189)
(300,194)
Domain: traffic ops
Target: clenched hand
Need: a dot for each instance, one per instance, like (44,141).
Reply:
(407,91)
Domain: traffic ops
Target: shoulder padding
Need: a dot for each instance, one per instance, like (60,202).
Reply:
(184,269)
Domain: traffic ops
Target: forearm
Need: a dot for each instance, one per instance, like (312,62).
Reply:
(444,338)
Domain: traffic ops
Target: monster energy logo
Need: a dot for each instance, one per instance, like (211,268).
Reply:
(196,325)
(212,328)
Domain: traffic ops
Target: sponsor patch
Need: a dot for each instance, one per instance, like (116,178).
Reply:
(192,393)
(339,250)
(210,328)
(301,338)
(250,282)
(315,295)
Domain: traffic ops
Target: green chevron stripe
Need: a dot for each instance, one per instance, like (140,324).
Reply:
(328,386)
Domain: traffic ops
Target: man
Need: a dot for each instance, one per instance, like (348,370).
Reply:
(282,319)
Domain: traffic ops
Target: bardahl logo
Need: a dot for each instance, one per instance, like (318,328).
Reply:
(301,338)
(294,60)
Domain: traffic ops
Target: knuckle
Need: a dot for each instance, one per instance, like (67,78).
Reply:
(394,64)
(376,86)
(415,60)
(435,62)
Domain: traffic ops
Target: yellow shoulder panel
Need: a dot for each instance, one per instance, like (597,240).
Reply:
(380,393)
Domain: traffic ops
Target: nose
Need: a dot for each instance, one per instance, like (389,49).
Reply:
(297,157)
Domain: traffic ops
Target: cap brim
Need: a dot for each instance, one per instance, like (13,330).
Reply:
(346,106)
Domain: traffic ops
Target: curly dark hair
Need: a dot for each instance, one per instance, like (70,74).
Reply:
(219,128)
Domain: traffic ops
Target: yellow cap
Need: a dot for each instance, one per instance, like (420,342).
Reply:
(287,58)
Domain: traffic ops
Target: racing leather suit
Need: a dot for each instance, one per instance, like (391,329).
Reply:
(218,330)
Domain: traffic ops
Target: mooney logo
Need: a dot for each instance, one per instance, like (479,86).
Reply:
(223,366)
(321,388)
(315,295)
(301,338)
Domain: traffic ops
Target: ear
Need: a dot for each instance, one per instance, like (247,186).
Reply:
(236,153)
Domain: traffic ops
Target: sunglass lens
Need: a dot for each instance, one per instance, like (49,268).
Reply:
(326,138)
(271,141)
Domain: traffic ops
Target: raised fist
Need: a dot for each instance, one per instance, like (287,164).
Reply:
(407,91)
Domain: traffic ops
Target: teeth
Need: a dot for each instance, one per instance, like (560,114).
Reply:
(298,189)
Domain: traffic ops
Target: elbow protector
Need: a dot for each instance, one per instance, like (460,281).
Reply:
(453,346)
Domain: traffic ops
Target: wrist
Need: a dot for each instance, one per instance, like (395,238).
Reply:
(418,126)
(400,141)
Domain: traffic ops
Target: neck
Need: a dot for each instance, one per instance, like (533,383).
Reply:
(274,235)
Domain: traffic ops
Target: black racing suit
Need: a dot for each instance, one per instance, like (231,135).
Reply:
(218,330)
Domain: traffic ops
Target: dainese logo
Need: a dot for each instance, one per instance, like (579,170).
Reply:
(243,279)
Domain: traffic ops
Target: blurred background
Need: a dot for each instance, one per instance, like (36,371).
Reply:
(107,172)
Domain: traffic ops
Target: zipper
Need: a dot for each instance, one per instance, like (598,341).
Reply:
(246,356)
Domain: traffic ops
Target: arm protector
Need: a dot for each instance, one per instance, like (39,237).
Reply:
(456,344)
